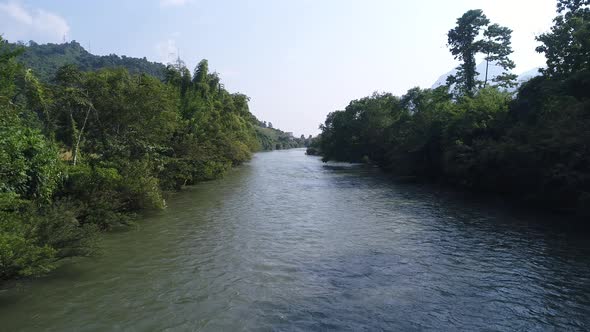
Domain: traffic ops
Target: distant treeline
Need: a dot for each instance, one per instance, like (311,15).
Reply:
(83,150)
(533,146)
(46,59)
(274,139)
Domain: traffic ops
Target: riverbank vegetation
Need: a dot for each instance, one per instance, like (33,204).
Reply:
(274,139)
(532,145)
(84,151)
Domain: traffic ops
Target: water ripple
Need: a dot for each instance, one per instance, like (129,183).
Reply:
(289,243)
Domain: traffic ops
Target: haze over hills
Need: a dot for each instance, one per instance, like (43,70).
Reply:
(493,71)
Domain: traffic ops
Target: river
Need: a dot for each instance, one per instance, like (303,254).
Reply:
(288,243)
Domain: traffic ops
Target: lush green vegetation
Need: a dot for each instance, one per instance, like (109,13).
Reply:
(84,151)
(275,139)
(46,59)
(533,146)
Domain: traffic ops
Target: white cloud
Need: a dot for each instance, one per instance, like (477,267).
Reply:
(167,51)
(17,12)
(173,3)
(18,22)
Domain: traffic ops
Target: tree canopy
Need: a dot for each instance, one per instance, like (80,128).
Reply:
(567,45)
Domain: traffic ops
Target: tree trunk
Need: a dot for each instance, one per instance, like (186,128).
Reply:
(77,147)
(485,82)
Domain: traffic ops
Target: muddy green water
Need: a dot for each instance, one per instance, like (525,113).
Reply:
(288,243)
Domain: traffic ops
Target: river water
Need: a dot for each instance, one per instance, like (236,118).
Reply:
(288,243)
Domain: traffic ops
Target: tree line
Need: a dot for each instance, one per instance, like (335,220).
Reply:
(533,146)
(85,151)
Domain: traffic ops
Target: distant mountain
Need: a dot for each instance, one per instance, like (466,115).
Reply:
(493,71)
(46,59)
(527,75)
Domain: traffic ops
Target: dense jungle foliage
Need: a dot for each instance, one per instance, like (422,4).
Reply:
(533,146)
(84,151)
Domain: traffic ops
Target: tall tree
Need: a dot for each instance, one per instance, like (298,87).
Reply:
(497,49)
(464,47)
(201,72)
(466,42)
(567,45)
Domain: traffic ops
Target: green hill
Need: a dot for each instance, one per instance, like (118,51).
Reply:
(46,59)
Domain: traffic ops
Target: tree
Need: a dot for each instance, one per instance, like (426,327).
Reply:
(8,71)
(567,46)
(464,47)
(497,47)
(465,42)
(201,72)
(74,100)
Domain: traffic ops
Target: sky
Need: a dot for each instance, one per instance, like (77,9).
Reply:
(297,60)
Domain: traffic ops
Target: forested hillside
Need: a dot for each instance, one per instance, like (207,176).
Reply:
(533,146)
(46,59)
(84,150)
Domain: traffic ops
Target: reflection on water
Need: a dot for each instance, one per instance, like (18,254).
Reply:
(289,243)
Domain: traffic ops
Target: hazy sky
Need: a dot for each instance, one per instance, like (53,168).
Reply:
(296,59)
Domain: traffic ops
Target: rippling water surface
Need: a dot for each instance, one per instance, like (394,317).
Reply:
(288,243)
